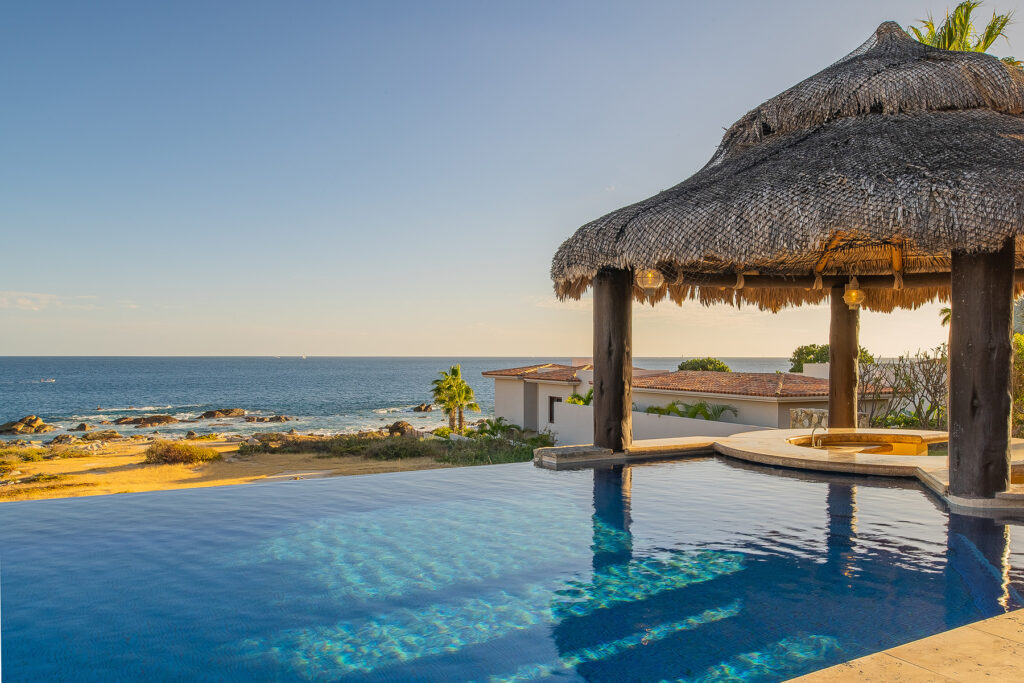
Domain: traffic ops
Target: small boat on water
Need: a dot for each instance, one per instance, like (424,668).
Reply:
(48,379)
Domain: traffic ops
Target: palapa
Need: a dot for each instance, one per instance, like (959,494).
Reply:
(881,164)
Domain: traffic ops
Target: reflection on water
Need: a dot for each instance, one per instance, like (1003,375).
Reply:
(978,566)
(802,613)
(691,571)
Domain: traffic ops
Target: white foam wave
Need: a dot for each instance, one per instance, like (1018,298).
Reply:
(129,409)
(393,409)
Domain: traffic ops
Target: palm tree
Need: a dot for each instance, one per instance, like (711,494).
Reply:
(945,315)
(454,396)
(498,427)
(581,400)
(714,411)
(442,392)
(464,399)
(957,32)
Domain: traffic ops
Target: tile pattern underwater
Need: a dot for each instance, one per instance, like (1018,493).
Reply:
(698,570)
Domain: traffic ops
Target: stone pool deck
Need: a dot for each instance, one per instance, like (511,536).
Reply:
(772,447)
(991,650)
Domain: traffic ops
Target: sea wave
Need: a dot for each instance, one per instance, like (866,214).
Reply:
(394,409)
(129,409)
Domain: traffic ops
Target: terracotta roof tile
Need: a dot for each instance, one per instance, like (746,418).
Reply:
(784,384)
(564,374)
(781,385)
(525,370)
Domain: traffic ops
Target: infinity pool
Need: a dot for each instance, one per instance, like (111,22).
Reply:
(697,570)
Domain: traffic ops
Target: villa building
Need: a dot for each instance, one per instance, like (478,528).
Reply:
(534,397)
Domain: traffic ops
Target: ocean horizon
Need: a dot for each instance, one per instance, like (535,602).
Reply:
(325,394)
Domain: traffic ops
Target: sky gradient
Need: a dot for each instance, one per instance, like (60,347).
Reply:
(388,178)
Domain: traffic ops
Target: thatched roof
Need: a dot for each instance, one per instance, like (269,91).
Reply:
(887,160)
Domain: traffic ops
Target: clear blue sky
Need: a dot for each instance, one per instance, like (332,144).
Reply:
(375,178)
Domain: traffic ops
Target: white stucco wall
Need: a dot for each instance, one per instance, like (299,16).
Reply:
(761,411)
(508,399)
(575,425)
(544,392)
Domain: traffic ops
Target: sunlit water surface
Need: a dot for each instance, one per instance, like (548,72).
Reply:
(698,570)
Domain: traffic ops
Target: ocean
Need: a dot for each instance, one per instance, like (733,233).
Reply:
(326,395)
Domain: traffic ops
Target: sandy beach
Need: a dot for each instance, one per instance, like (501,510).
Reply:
(120,468)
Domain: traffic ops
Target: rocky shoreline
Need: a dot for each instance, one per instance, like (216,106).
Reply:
(96,435)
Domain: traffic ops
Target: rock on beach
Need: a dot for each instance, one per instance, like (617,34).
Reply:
(402,428)
(223,412)
(30,424)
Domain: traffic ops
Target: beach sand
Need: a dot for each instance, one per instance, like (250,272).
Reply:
(119,468)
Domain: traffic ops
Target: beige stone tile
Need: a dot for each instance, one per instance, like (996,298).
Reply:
(1009,626)
(966,654)
(876,668)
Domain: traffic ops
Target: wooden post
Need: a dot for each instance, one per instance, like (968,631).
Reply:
(613,358)
(843,347)
(979,372)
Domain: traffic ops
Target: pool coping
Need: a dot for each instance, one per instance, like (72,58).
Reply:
(772,447)
(992,648)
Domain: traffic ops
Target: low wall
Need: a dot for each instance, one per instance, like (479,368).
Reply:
(574,424)
(809,418)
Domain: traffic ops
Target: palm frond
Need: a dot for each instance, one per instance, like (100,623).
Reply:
(995,28)
(928,37)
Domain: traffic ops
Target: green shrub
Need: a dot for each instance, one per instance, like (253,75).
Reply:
(578,399)
(481,450)
(252,449)
(818,353)
(206,437)
(486,452)
(175,452)
(43,478)
(701,410)
(6,467)
(23,453)
(898,421)
(400,447)
(443,432)
(73,453)
(706,364)
(541,440)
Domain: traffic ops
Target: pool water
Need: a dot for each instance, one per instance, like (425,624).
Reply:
(696,570)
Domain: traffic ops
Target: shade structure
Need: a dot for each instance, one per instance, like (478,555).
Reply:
(881,164)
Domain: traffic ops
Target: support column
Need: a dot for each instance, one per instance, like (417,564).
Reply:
(613,358)
(979,372)
(843,347)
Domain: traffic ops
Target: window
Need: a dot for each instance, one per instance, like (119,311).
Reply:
(552,400)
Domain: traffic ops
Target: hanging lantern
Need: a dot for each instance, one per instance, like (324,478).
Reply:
(649,279)
(854,295)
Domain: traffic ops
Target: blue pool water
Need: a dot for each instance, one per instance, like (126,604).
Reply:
(696,570)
